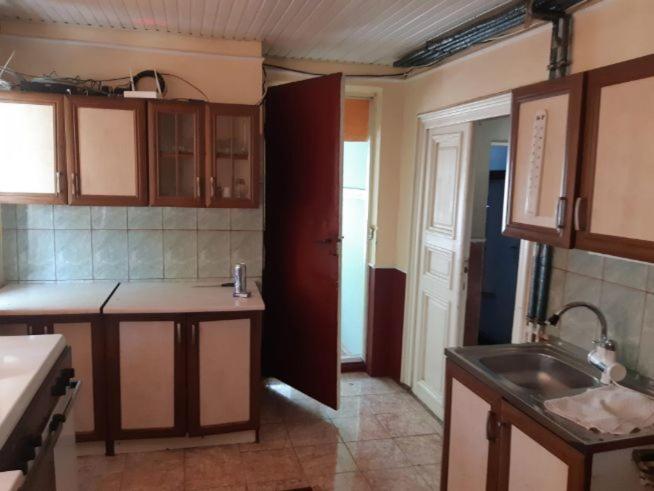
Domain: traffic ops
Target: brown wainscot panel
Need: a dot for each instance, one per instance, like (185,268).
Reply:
(385,322)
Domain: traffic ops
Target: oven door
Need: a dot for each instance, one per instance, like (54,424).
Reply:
(54,467)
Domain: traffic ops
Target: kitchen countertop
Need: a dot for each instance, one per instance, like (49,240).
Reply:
(54,298)
(25,361)
(533,404)
(173,297)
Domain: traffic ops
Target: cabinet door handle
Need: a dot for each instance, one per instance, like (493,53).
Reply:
(30,330)
(580,212)
(73,183)
(194,336)
(58,183)
(212,187)
(178,332)
(491,427)
(560,212)
(197,187)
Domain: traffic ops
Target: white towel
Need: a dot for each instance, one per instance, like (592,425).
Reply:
(611,409)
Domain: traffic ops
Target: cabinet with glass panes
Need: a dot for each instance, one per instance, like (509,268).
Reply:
(232,158)
(176,133)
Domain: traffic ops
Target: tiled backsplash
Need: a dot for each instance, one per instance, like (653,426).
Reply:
(624,291)
(45,243)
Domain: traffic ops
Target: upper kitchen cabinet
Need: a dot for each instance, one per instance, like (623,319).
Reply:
(615,206)
(106,150)
(33,166)
(545,139)
(175,137)
(232,161)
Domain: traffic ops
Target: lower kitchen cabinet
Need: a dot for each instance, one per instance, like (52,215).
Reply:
(490,445)
(85,337)
(173,375)
(146,369)
(223,358)
(533,458)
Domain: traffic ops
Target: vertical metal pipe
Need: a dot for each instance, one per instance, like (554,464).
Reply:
(533,293)
(545,273)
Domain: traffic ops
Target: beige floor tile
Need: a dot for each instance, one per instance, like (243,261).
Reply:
(212,467)
(272,436)
(404,479)
(271,465)
(319,460)
(408,424)
(431,474)
(377,454)
(352,406)
(313,433)
(360,427)
(279,485)
(100,473)
(422,449)
(348,481)
(162,471)
(364,386)
(297,410)
(396,402)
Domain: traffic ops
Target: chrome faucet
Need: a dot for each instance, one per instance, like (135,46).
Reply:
(603,356)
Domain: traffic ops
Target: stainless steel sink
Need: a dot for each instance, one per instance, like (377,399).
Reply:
(538,372)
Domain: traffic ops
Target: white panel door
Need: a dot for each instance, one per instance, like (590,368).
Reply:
(442,257)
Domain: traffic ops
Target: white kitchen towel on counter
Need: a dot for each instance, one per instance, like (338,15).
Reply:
(610,409)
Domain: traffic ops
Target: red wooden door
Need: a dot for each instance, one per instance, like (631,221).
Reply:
(303,188)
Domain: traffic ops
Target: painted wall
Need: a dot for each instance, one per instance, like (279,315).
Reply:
(227,71)
(604,33)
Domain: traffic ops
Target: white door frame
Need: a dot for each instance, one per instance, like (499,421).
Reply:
(491,107)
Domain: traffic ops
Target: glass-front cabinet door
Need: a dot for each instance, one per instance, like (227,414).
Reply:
(232,156)
(176,134)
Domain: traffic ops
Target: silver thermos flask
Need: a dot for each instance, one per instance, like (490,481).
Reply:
(241,281)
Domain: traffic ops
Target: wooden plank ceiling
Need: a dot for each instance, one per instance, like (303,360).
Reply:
(361,31)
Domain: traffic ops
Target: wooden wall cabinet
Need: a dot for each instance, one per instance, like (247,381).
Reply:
(106,151)
(543,166)
(176,151)
(616,201)
(232,156)
(33,163)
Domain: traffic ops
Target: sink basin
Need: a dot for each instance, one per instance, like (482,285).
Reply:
(538,372)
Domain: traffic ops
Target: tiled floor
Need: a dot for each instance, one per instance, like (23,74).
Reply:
(380,438)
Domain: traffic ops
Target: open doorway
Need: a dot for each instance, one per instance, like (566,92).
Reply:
(354,250)
(493,258)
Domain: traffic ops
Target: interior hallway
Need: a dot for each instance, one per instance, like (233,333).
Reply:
(380,438)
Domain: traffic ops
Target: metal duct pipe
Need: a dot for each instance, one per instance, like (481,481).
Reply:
(486,28)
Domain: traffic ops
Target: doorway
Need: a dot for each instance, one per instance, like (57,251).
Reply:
(354,249)
(500,259)
(442,218)
(493,258)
